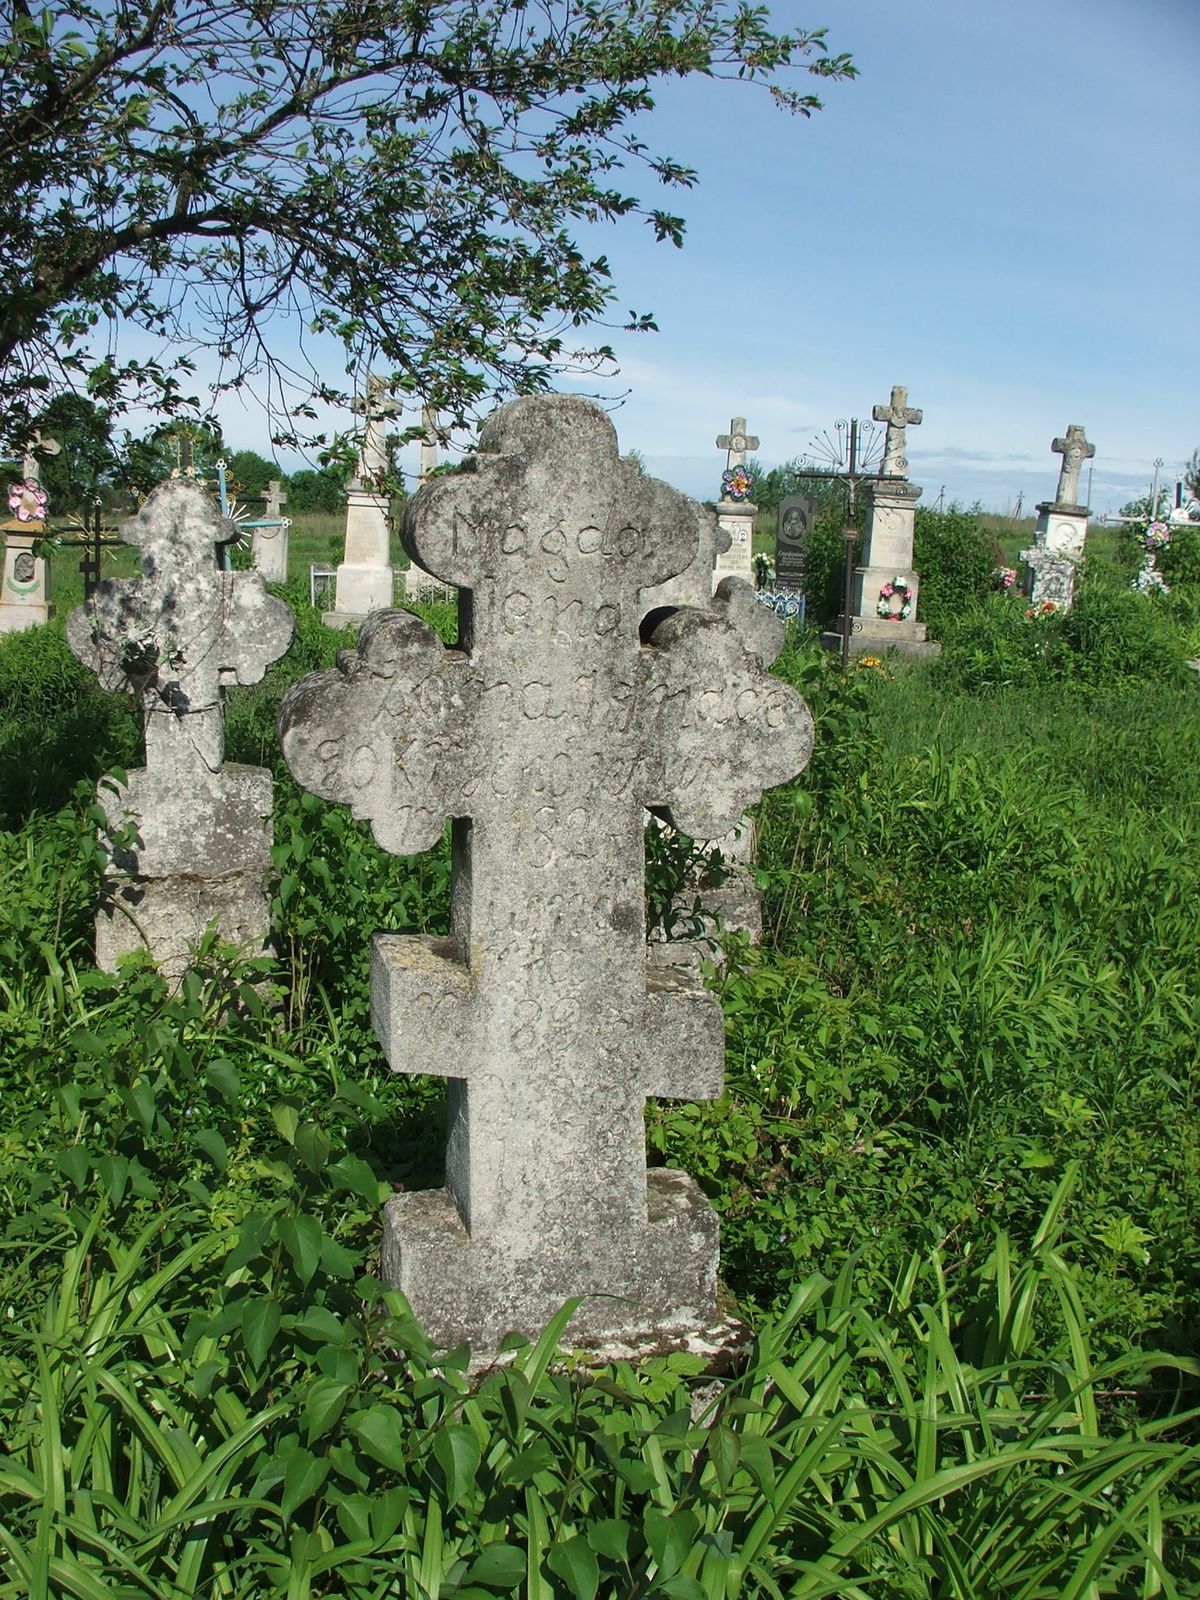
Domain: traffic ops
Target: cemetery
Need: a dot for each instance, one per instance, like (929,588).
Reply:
(559,1037)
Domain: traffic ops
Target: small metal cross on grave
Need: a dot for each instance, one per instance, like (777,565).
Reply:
(180,630)
(1074,450)
(898,415)
(546,737)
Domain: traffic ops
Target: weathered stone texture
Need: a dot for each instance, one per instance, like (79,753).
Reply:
(546,737)
(176,635)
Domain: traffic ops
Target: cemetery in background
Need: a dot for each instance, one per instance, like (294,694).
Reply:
(956,1161)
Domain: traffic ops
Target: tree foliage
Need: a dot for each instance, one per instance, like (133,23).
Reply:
(85,461)
(402,176)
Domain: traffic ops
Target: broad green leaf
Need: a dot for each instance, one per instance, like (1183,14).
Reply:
(574,1561)
(302,1477)
(261,1317)
(302,1237)
(379,1430)
(498,1566)
(324,1403)
(457,1452)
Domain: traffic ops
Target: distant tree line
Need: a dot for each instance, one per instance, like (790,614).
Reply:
(93,465)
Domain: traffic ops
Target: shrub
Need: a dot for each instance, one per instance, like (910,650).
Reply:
(957,558)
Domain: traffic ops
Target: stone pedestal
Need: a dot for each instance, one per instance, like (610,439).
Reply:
(25,593)
(197,857)
(364,578)
(736,518)
(270,551)
(882,620)
(1051,561)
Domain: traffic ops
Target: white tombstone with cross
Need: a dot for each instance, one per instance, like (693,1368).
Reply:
(736,510)
(175,636)
(544,738)
(364,576)
(270,534)
(1061,529)
(886,584)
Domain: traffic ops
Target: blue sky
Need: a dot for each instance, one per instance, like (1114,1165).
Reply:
(1001,212)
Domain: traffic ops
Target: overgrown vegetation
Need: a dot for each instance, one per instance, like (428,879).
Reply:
(957,1166)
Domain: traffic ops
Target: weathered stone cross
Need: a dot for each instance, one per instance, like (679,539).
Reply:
(175,636)
(375,407)
(1074,450)
(181,630)
(736,442)
(275,500)
(545,737)
(898,415)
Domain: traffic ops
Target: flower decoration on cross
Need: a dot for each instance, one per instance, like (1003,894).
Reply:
(27,501)
(737,483)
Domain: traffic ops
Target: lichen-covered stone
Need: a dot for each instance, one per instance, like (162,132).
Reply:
(546,736)
(200,847)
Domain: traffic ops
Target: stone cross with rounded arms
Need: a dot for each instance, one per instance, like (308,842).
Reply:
(1075,450)
(736,443)
(546,736)
(899,415)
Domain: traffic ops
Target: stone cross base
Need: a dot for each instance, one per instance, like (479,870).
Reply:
(1050,579)
(201,853)
(891,526)
(1062,528)
(364,578)
(736,517)
(270,553)
(867,594)
(25,587)
(461,1290)
(873,636)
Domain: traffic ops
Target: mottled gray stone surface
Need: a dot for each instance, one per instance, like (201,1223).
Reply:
(546,737)
(176,635)
(1074,449)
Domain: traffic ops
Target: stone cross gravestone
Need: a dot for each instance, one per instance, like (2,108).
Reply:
(899,416)
(1061,528)
(25,584)
(270,535)
(175,636)
(364,577)
(1075,450)
(735,509)
(545,737)
(885,586)
(419,584)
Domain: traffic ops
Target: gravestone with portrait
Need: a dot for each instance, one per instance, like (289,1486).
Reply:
(736,510)
(25,586)
(1061,527)
(199,849)
(364,580)
(545,737)
(793,527)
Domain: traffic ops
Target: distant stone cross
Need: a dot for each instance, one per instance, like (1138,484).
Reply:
(1074,450)
(736,442)
(545,738)
(429,443)
(376,406)
(39,442)
(275,499)
(898,415)
(180,630)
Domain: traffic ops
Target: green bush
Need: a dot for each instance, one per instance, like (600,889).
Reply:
(957,558)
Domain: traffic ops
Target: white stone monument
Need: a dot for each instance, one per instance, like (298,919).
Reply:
(546,739)
(175,636)
(884,595)
(736,510)
(25,586)
(364,577)
(1061,527)
(419,584)
(270,548)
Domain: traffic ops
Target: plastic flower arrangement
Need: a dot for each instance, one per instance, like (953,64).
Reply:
(736,484)
(1157,535)
(887,595)
(27,501)
(1005,578)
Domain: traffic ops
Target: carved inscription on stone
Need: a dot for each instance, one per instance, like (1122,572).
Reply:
(545,737)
